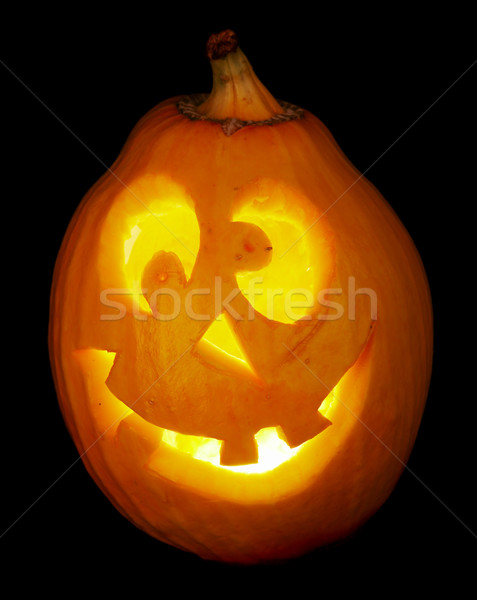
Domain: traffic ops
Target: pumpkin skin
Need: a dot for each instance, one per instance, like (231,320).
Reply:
(126,385)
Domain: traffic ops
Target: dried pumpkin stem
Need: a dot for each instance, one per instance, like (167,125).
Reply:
(237,93)
(238,99)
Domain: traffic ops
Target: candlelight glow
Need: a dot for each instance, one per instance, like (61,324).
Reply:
(272,451)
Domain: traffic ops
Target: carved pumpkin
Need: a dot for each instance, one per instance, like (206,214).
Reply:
(241,328)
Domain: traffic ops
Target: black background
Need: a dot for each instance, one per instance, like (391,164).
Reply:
(391,84)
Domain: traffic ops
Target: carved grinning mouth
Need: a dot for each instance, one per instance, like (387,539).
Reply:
(110,414)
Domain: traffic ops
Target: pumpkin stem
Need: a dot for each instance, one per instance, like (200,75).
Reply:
(237,93)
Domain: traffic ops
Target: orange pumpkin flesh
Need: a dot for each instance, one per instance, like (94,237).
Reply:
(252,426)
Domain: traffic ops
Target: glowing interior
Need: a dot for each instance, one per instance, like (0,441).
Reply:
(220,348)
(221,337)
(272,451)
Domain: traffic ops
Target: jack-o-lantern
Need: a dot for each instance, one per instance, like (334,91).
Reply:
(241,327)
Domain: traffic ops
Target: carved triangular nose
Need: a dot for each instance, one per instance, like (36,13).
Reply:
(220,348)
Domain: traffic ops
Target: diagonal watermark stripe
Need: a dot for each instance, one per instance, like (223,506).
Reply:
(108,169)
(79,458)
(403,464)
(378,159)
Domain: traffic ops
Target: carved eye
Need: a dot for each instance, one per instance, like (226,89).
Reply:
(170,225)
(286,289)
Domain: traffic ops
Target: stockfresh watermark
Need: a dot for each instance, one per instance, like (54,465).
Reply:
(328,304)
